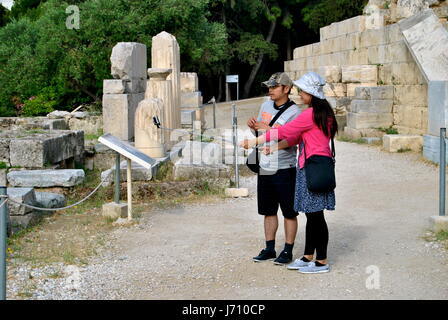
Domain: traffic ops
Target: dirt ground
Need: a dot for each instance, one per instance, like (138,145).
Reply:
(376,250)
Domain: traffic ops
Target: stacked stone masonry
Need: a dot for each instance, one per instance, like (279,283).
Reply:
(354,54)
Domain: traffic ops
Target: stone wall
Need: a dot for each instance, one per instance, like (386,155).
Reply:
(365,52)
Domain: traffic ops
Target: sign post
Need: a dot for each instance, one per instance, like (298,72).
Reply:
(233,78)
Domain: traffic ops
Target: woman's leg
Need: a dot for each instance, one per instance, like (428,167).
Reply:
(321,234)
(310,245)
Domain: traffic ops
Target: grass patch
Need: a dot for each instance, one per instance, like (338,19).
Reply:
(442,236)
(389,130)
(3,165)
(347,139)
(401,150)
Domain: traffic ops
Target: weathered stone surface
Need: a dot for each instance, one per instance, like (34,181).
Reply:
(35,150)
(374,93)
(119,114)
(189,82)
(412,95)
(355,24)
(369,120)
(411,116)
(24,221)
(408,8)
(431,148)
(187,117)
(359,133)
(359,74)
(430,52)
(331,74)
(339,102)
(335,90)
(198,153)
(129,61)
(90,125)
(3,180)
(236,192)
(4,151)
(50,200)
(138,173)
(185,170)
(373,106)
(351,87)
(114,210)
(402,73)
(115,86)
(58,114)
(20,195)
(191,99)
(439,223)
(46,178)
(396,142)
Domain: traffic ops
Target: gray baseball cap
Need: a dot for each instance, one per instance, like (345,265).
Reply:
(278,78)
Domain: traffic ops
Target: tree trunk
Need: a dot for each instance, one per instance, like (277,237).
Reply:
(257,65)
(288,46)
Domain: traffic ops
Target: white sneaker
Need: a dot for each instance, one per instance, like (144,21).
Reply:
(312,268)
(298,263)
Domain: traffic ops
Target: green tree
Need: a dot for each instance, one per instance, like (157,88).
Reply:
(4,15)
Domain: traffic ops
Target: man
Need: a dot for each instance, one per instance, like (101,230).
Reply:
(277,187)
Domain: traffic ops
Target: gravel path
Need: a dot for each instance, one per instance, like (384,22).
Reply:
(204,251)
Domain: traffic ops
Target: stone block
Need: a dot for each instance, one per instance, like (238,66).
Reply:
(46,178)
(198,153)
(359,74)
(439,223)
(393,33)
(187,117)
(24,221)
(369,120)
(396,142)
(189,82)
(185,170)
(114,210)
(50,200)
(372,106)
(119,114)
(431,148)
(401,73)
(371,38)
(236,192)
(378,54)
(358,56)
(129,61)
(138,172)
(374,93)
(115,86)
(410,116)
(20,195)
(4,151)
(412,95)
(351,87)
(339,102)
(362,133)
(3,180)
(429,51)
(335,90)
(399,52)
(331,74)
(191,99)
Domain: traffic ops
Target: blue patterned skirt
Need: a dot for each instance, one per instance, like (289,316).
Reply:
(307,201)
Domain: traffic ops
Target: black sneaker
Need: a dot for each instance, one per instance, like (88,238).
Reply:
(265,255)
(283,258)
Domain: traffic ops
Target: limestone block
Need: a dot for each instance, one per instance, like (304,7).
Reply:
(165,53)
(372,106)
(359,133)
(339,102)
(429,51)
(331,74)
(369,120)
(46,178)
(412,95)
(184,170)
(400,74)
(374,93)
(187,117)
(236,192)
(335,90)
(197,153)
(398,52)
(395,142)
(90,125)
(439,223)
(129,61)
(3,180)
(410,116)
(296,54)
(316,47)
(191,99)
(359,74)
(189,82)
(20,195)
(370,38)
(58,114)
(409,131)
(408,8)
(50,200)
(287,66)
(358,57)
(393,33)
(25,221)
(4,151)
(119,114)
(113,86)
(431,148)
(351,87)
(374,17)
(114,210)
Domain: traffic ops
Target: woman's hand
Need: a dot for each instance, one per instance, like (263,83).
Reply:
(248,143)
(267,150)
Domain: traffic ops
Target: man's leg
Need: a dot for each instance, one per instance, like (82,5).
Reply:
(290,230)
(270,227)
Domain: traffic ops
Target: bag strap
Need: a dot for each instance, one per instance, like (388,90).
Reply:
(287,105)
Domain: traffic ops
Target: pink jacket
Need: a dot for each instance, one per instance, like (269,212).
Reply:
(304,129)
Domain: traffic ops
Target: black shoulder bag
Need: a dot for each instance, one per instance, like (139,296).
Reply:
(253,160)
(319,171)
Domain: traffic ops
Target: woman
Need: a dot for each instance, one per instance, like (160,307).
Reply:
(312,130)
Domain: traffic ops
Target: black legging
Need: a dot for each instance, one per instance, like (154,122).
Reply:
(316,237)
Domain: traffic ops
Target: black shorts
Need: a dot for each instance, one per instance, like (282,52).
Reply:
(277,189)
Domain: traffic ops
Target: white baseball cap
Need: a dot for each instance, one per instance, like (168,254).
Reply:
(311,83)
